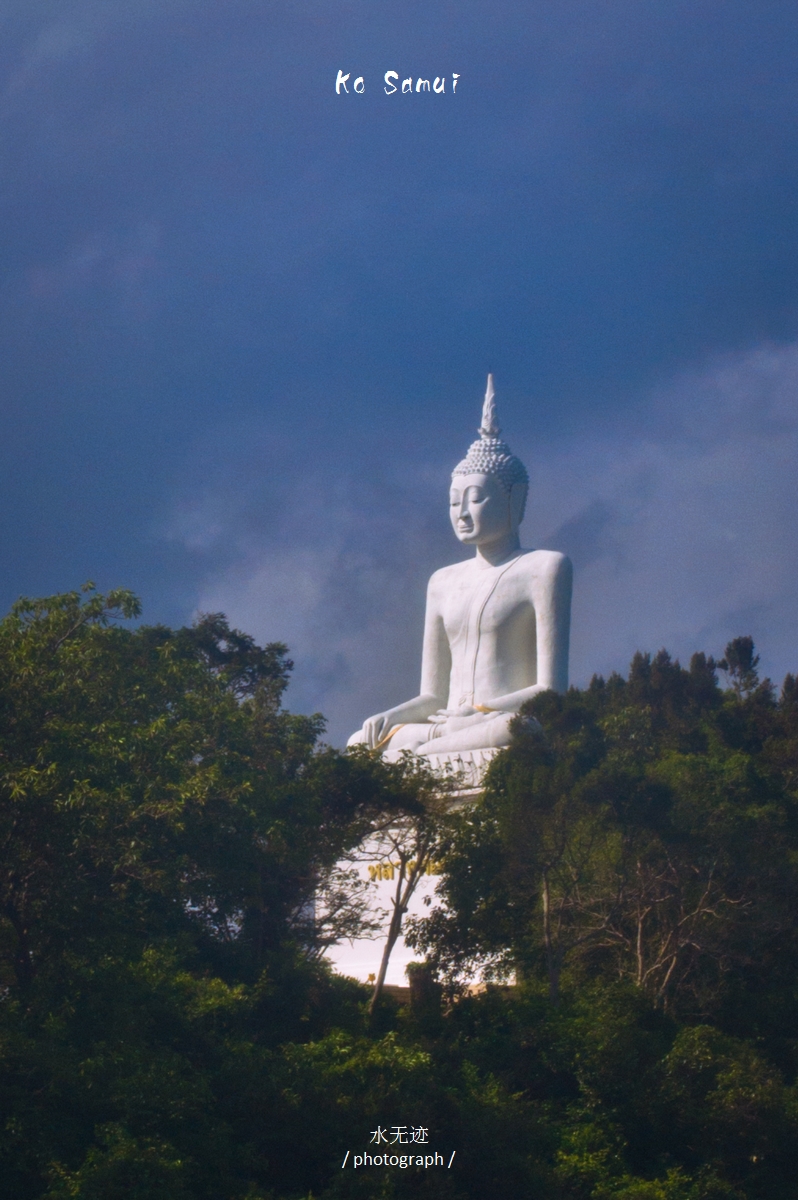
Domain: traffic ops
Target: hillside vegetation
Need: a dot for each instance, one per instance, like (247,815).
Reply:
(168,1026)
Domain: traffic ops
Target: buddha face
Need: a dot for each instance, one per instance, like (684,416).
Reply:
(480,509)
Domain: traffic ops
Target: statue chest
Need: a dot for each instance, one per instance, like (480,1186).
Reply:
(482,614)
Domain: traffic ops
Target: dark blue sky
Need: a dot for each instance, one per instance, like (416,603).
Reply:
(245,322)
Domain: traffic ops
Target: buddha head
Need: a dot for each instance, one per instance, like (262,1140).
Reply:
(490,485)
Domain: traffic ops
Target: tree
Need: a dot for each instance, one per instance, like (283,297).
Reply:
(163,823)
(167,1027)
(741,664)
(650,834)
(411,843)
(135,768)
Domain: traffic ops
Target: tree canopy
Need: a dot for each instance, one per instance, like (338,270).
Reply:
(649,834)
(172,840)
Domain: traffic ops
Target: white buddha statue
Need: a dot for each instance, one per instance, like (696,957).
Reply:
(496,626)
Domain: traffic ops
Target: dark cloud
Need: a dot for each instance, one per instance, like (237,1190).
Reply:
(219,278)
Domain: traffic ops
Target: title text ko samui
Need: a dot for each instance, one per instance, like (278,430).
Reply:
(392,85)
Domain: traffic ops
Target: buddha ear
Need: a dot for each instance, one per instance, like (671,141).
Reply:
(517,503)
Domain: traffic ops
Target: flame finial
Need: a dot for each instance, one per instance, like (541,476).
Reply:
(490,426)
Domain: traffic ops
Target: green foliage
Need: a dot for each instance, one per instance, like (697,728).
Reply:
(121,1166)
(168,1030)
(650,835)
(163,823)
(638,861)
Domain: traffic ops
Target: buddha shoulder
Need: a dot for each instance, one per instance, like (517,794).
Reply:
(545,564)
(544,571)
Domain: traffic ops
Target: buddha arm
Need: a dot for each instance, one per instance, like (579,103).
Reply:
(435,669)
(436,656)
(550,593)
(436,665)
